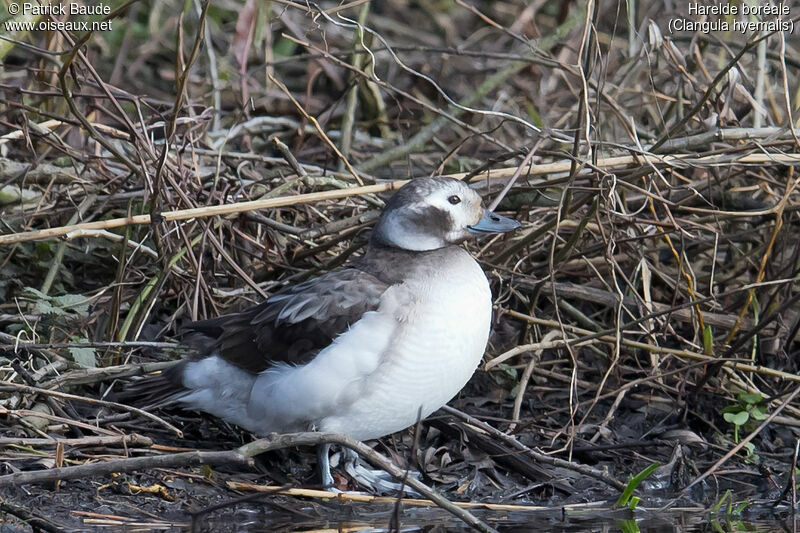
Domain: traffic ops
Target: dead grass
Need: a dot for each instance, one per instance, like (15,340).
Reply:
(182,166)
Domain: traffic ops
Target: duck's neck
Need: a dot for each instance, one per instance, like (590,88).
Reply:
(391,264)
(406,233)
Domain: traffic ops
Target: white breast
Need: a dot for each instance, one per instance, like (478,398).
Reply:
(443,327)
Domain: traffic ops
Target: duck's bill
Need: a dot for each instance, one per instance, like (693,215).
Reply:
(491,222)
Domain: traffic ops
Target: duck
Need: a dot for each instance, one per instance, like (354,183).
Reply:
(365,350)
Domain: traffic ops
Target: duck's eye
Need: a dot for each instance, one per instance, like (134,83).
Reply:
(455,199)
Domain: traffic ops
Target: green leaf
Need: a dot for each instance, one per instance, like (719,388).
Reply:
(717,506)
(708,341)
(634,482)
(749,398)
(11,194)
(57,305)
(534,114)
(283,47)
(758,413)
(628,526)
(86,357)
(751,457)
(738,419)
(73,302)
(44,307)
(30,292)
(633,503)
(508,369)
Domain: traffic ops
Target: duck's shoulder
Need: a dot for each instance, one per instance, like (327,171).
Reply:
(294,324)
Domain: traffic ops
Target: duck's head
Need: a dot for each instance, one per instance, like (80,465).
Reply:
(431,213)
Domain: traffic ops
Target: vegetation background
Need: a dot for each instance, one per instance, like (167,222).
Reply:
(647,310)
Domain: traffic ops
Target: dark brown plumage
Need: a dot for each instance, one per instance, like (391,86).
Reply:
(293,325)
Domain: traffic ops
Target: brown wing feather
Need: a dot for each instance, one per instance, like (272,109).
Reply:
(293,325)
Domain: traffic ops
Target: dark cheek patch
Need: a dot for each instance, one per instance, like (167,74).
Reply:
(440,222)
(431,221)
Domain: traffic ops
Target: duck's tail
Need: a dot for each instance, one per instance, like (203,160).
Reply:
(159,389)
